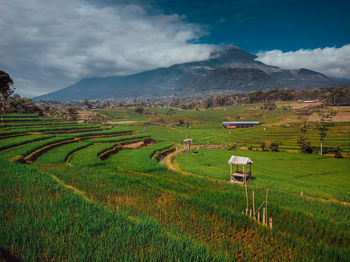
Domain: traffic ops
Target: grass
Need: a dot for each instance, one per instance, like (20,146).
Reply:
(129,207)
(289,172)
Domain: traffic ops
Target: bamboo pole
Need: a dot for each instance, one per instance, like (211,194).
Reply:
(253,206)
(246,195)
(258,216)
(267,192)
(263,218)
(270,222)
(250,213)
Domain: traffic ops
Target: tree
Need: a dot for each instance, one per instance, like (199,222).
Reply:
(6,88)
(304,141)
(337,152)
(322,130)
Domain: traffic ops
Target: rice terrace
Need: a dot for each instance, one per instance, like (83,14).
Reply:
(163,130)
(89,192)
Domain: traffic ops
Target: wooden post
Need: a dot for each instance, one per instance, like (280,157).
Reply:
(246,193)
(267,192)
(230,169)
(263,218)
(253,206)
(270,222)
(250,213)
(258,216)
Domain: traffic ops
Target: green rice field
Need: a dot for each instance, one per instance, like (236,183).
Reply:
(60,200)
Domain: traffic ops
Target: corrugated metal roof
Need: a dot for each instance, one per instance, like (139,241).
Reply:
(188,140)
(241,123)
(240,160)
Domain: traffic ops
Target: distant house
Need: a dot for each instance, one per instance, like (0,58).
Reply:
(311,101)
(243,124)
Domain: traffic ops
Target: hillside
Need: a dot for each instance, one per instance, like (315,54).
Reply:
(231,79)
(174,79)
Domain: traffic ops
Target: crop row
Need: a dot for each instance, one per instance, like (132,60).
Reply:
(43,123)
(17,115)
(146,140)
(14,142)
(52,130)
(26,119)
(34,154)
(47,222)
(65,152)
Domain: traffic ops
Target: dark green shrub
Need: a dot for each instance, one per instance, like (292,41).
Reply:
(274,147)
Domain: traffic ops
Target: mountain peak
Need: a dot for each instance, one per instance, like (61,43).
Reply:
(232,53)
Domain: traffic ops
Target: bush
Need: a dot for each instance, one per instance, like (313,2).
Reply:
(274,147)
(337,152)
(139,109)
(304,144)
(270,106)
(263,146)
(181,122)
(250,147)
(232,146)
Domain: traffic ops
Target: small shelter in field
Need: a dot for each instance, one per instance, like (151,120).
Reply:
(243,124)
(240,176)
(187,144)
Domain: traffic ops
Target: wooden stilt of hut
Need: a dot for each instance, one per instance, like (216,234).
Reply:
(240,175)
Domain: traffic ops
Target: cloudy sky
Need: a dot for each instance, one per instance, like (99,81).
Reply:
(46,45)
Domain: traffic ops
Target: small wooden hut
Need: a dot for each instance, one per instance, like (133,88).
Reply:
(240,176)
(187,144)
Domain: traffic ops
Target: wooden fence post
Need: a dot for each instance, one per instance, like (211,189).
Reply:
(263,218)
(267,192)
(253,206)
(270,222)
(246,195)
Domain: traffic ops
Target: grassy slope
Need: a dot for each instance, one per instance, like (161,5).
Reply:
(139,210)
(290,172)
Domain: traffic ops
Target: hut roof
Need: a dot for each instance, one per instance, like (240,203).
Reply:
(188,140)
(242,123)
(240,160)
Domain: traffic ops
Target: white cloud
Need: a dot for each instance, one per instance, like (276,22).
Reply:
(46,45)
(331,61)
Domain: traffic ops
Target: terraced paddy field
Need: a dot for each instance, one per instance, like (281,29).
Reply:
(79,195)
(278,126)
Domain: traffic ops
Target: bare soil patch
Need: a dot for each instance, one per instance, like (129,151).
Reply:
(341,116)
(134,145)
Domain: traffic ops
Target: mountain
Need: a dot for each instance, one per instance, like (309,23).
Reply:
(223,80)
(229,69)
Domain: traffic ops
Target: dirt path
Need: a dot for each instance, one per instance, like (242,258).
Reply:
(170,162)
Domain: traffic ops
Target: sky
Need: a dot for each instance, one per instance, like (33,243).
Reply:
(46,45)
